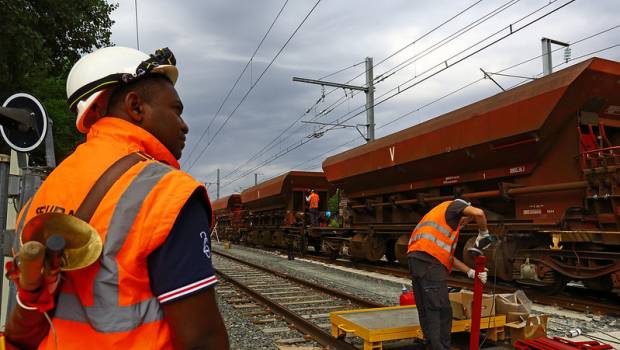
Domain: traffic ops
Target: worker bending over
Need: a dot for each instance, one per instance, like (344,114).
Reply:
(152,287)
(431,257)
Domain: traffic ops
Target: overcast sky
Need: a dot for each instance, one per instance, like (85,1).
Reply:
(214,40)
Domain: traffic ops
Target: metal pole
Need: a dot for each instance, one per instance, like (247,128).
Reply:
(370,101)
(218,183)
(255,179)
(546,53)
(50,155)
(4,200)
(546,56)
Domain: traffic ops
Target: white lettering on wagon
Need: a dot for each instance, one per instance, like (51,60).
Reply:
(451,179)
(532,211)
(517,170)
(392,152)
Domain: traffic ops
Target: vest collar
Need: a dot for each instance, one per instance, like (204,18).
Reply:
(136,139)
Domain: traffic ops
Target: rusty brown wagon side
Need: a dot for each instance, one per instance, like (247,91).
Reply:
(542,159)
(277,206)
(228,213)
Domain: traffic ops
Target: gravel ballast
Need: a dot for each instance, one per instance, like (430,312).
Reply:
(382,289)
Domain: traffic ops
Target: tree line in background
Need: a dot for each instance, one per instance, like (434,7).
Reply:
(40,40)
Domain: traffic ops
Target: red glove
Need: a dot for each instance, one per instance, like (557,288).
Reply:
(41,299)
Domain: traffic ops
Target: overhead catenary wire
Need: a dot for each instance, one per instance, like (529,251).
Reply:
(445,22)
(449,38)
(474,82)
(441,98)
(254,84)
(382,77)
(341,100)
(267,147)
(342,70)
(135,3)
(573,59)
(206,130)
(362,109)
(418,56)
(512,31)
(444,65)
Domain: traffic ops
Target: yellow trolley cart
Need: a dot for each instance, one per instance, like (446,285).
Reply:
(398,322)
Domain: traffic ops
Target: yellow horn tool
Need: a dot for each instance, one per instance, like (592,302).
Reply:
(83,245)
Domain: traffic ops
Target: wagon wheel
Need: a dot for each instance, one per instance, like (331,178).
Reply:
(317,248)
(556,283)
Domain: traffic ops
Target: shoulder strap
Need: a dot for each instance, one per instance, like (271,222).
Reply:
(102,185)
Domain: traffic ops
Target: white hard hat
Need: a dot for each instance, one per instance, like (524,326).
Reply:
(92,77)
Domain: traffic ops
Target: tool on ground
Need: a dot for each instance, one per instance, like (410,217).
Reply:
(544,343)
(407,297)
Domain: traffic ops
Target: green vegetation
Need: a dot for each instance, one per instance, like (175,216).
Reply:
(333,201)
(39,42)
(332,205)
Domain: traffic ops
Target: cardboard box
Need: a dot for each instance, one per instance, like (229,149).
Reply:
(456,302)
(516,306)
(534,326)
(461,303)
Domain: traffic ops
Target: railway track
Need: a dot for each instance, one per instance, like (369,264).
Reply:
(291,310)
(576,299)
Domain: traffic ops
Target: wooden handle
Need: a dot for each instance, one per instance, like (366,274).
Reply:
(31,259)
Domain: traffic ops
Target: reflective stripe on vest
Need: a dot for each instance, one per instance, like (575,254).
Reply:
(433,239)
(434,236)
(436,226)
(105,315)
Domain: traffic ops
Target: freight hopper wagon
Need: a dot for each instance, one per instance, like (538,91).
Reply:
(277,208)
(542,160)
(228,213)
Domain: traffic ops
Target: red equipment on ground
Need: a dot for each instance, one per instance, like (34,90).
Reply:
(544,343)
(407,298)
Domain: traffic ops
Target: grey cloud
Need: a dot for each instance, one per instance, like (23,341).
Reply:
(214,39)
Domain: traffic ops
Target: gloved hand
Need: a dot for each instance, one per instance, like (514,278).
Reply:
(41,299)
(484,239)
(471,273)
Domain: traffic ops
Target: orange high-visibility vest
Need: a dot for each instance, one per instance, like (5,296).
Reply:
(109,305)
(314,200)
(434,236)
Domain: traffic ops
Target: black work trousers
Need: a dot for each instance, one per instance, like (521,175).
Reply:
(314,217)
(430,290)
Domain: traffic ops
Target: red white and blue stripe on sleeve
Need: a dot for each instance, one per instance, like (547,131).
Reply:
(182,267)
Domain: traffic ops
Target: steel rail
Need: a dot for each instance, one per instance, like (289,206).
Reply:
(296,320)
(572,302)
(323,289)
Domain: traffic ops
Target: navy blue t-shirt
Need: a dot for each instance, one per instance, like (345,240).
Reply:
(182,265)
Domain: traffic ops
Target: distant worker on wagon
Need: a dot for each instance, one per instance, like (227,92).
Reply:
(431,257)
(313,199)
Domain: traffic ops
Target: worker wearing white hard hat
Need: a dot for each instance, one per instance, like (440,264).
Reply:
(152,287)
(93,77)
